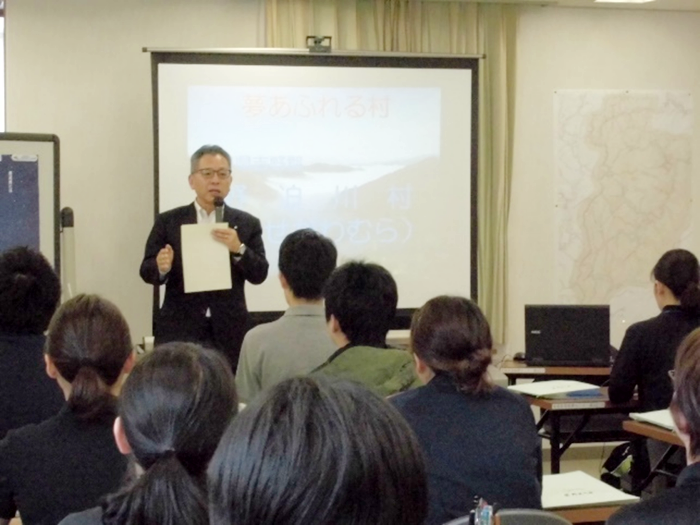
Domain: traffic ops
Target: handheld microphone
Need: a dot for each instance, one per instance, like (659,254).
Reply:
(219,213)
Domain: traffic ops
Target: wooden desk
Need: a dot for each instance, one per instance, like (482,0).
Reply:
(659,434)
(515,370)
(652,431)
(586,407)
(587,514)
(581,515)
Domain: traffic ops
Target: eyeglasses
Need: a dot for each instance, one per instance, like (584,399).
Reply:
(207,174)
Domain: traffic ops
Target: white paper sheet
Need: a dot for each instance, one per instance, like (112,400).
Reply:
(660,418)
(578,489)
(206,263)
(552,388)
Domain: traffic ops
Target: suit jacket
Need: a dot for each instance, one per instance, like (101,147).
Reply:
(474,445)
(676,506)
(647,353)
(182,313)
(27,394)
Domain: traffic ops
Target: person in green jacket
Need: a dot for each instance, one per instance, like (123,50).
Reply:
(360,303)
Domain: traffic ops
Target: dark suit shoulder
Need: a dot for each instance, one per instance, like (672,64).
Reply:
(176,213)
(440,390)
(241,215)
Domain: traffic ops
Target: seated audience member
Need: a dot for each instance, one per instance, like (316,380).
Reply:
(479,439)
(68,462)
(649,347)
(317,451)
(29,294)
(173,409)
(299,341)
(679,505)
(361,302)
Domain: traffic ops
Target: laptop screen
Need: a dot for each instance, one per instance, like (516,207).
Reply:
(572,335)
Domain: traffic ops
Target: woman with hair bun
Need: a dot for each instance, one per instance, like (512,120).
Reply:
(173,409)
(479,439)
(67,463)
(649,347)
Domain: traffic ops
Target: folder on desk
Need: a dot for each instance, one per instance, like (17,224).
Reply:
(557,389)
(578,489)
(660,418)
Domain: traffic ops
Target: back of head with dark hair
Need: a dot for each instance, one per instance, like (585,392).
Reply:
(452,336)
(316,451)
(174,406)
(208,149)
(686,398)
(89,342)
(29,292)
(363,298)
(680,272)
(306,260)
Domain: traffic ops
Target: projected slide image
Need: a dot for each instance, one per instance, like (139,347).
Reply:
(346,162)
(19,201)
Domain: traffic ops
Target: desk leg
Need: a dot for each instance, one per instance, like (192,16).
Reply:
(554,441)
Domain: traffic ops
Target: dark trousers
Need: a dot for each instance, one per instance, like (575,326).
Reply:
(225,335)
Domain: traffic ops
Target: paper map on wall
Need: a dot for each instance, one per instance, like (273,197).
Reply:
(623,195)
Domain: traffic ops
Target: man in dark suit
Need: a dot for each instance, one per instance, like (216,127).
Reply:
(215,318)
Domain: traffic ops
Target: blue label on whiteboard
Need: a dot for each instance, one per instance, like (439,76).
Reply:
(19,201)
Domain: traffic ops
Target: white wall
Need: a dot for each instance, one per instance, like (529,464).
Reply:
(569,48)
(75,68)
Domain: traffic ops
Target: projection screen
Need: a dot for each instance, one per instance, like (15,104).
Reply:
(376,152)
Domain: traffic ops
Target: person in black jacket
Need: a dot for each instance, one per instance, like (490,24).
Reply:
(29,294)
(68,462)
(649,347)
(219,318)
(479,439)
(679,505)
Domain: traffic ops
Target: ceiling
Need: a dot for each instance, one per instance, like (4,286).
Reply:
(663,5)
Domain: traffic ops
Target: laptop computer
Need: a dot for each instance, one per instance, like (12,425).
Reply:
(567,335)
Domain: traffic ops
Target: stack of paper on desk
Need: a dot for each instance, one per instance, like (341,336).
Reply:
(660,418)
(556,388)
(578,489)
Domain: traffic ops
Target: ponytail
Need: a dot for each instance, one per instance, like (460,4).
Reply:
(89,343)
(90,398)
(690,298)
(165,494)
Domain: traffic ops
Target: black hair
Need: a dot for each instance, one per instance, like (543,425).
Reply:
(208,149)
(89,342)
(29,292)
(452,336)
(316,451)
(174,407)
(306,260)
(679,271)
(363,298)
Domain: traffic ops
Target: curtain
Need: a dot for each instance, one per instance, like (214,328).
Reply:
(418,26)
